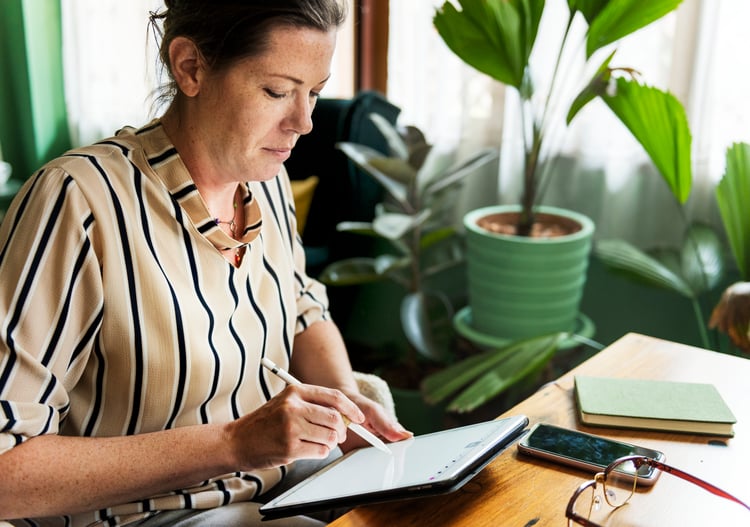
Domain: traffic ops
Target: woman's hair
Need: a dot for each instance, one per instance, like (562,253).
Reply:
(227,31)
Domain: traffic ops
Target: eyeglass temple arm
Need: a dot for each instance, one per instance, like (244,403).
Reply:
(697,481)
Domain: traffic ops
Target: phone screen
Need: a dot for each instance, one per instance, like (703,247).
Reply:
(564,444)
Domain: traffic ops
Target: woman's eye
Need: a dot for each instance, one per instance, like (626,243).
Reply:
(273,94)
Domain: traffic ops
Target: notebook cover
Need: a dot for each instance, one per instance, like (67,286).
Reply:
(653,404)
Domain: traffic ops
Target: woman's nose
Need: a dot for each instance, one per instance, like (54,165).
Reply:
(300,119)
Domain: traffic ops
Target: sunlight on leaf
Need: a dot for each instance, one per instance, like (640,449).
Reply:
(630,261)
(733,197)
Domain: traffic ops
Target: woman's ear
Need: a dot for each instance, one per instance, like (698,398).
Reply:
(187,65)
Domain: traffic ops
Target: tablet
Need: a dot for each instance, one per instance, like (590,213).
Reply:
(424,465)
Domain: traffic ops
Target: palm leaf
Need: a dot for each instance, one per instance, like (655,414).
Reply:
(702,259)
(619,18)
(733,197)
(515,366)
(444,383)
(658,122)
(496,38)
(630,261)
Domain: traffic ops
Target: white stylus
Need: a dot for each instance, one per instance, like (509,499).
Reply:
(354,427)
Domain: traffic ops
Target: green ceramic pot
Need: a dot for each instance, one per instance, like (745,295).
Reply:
(523,286)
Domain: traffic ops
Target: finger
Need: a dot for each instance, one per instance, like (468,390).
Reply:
(336,400)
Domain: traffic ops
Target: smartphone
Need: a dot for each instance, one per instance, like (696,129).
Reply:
(585,451)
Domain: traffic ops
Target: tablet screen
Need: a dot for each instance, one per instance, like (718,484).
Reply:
(421,462)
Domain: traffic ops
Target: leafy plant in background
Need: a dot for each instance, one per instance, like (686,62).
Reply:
(415,224)
(473,381)
(698,265)
(732,314)
(497,38)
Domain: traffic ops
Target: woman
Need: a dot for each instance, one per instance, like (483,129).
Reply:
(144,277)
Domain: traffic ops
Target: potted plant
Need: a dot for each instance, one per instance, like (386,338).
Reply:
(497,38)
(698,265)
(417,240)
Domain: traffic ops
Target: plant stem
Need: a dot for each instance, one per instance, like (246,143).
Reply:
(701,323)
(532,152)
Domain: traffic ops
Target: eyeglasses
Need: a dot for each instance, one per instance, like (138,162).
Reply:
(618,483)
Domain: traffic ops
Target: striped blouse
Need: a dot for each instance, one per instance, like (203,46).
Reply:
(121,316)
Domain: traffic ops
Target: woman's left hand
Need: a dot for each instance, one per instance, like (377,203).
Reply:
(377,421)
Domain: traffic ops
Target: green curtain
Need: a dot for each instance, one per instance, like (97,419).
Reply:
(33,120)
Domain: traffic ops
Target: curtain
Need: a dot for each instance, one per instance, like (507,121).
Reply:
(32,108)
(696,53)
(111,71)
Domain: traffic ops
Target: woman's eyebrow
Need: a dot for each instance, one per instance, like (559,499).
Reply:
(296,80)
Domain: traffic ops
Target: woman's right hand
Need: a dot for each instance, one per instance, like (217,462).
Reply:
(301,422)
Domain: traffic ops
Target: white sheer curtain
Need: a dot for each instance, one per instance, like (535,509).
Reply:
(698,53)
(110,65)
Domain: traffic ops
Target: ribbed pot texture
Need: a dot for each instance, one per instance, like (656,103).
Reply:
(525,286)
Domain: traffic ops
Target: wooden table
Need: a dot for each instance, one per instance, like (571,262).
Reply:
(515,490)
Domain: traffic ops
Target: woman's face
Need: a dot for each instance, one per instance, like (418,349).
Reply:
(248,117)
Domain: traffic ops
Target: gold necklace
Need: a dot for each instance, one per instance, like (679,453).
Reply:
(232,228)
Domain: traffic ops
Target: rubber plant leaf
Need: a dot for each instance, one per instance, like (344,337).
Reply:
(440,385)
(363,156)
(357,227)
(461,170)
(628,260)
(495,38)
(435,167)
(427,321)
(515,366)
(396,143)
(393,226)
(658,122)
(613,20)
(351,271)
(733,197)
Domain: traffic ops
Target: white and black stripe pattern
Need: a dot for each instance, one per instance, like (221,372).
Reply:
(121,316)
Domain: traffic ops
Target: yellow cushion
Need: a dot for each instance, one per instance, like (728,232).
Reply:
(302,191)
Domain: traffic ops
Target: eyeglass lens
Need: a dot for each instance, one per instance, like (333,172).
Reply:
(620,483)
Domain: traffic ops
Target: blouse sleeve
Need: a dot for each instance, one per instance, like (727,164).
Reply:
(50,302)
(312,298)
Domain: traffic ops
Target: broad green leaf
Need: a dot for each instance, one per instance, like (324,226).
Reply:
(362,156)
(619,18)
(351,271)
(395,168)
(733,197)
(596,86)
(496,38)
(434,168)
(427,321)
(658,122)
(395,142)
(702,259)
(394,226)
(444,383)
(512,369)
(357,227)
(590,9)
(623,257)
(436,236)
(461,170)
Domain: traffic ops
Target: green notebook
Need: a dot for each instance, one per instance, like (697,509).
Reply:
(653,405)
